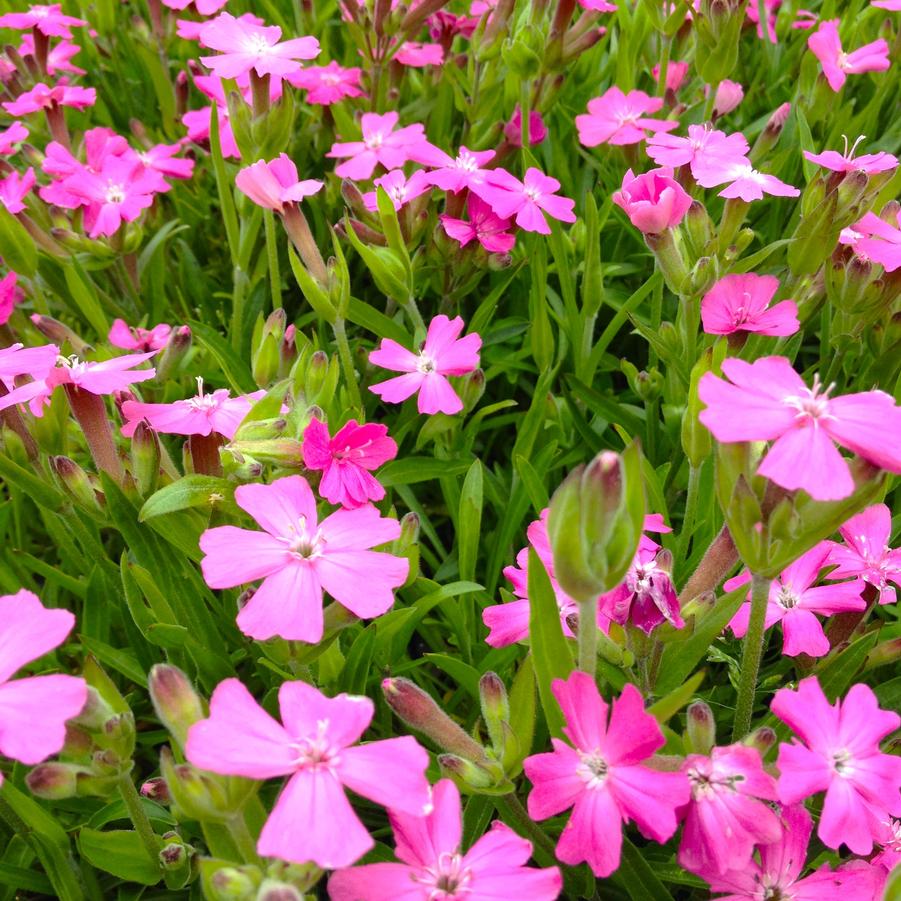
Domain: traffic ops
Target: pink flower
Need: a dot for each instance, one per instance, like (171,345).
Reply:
(203,7)
(43,97)
(767,401)
(58,59)
(10,295)
(400,189)
(205,414)
(869,163)
(347,460)
(35,708)
(826,46)
(327,84)
(866,553)
(618,118)
(49,20)
(778,875)
(133,338)
(653,201)
(703,145)
(35,362)
(601,776)
(14,188)
(878,241)
(463,171)
(728,95)
(418,56)
(744,181)
(298,558)
(528,200)
(197,124)
(771,7)
(599,6)
(381,145)
(11,137)
(444,353)
(484,226)
(839,755)
(315,745)
(726,816)
(106,377)
(163,158)
(434,866)
(793,602)
(891,5)
(513,129)
(271,185)
(740,303)
(805,19)
(675,74)
(245,47)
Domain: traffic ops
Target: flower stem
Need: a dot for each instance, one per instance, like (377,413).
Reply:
(588,637)
(90,411)
(347,363)
(718,559)
(418,322)
(275,281)
(244,841)
(750,660)
(138,816)
(691,512)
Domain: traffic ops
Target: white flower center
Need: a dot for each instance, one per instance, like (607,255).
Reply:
(705,786)
(374,141)
(203,402)
(842,762)
(786,598)
(592,769)
(302,542)
(426,364)
(447,879)
(73,364)
(813,405)
(115,193)
(257,45)
(467,162)
(315,752)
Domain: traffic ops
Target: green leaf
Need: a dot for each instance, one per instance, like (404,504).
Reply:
(836,673)
(378,323)
(223,187)
(550,650)
(233,366)
(357,663)
(316,297)
(37,489)
(419,469)
(671,704)
(637,877)
(522,713)
(83,291)
(17,247)
(120,852)
(191,491)
(463,674)
(469,521)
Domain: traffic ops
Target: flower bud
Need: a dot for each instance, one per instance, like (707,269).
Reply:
(728,95)
(54,781)
(513,129)
(75,482)
(145,458)
(763,739)
(271,890)
(234,884)
(170,360)
(287,352)
(60,334)
(653,201)
(157,789)
(767,139)
(698,228)
(265,347)
(700,728)
(176,703)
(471,388)
(495,710)
(522,53)
(468,776)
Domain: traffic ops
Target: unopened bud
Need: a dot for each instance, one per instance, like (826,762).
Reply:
(467,775)
(59,333)
(234,884)
(271,890)
(145,458)
(728,95)
(287,351)
(495,710)
(156,789)
(75,482)
(471,389)
(54,781)
(700,728)
(170,360)
(768,138)
(174,699)
(763,739)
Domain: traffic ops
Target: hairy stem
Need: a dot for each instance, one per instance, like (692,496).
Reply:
(750,659)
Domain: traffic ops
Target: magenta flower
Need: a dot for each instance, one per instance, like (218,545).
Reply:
(826,46)
(11,137)
(10,295)
(58,58)
(347,460)
(133,338)
(793,602)
(878,241)
(244,47)
(463,171)
(653,201)
(298,558)
(400,189)
(205,414)
(528,200)
(740,303)
(484,226)
(599,6)
(600,775)
(43,97)
(203,7)
(778,874)
(326,85)
(433,865)
(675,74)
(702,144)
(315,745)
(49,20)
(418,56)
(839,755)
(271,185)
(618,118)
(728,95)
(727,816)
(35,708)
(537,129)
(767,401)
(164,159)
(866,553)
(35,362)
(14,188)
(443,354)
(197,125)
(382,145)
(869,163)
(742,180)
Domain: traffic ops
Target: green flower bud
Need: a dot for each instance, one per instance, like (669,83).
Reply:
(700,728)
(145,458)
(177,704)
(495,711)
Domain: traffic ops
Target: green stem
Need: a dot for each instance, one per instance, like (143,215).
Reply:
(664,68)
(418,322)
(275,280)
(524,97)
(244,841)
(691,512)
(510,807)
(138,817)
(588,637)
(238,296)
(347,363)
(750,660)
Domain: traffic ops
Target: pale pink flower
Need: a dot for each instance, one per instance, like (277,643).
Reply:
(740,303)
(768,401)
(601,776)
(205,414)
(135,338)
(891,5)
(347,460)
(10,295)
(878,241)
(728,95)
(49,20)
(382,145)
(197,124)
(105,377)
(433,865)
(805,19)
(35,362)
(513,129)
(11,137)
(244,46)
(298,558)
(726,816)
(528,200)
(443,354)
(618,118)
(771,7)
(203,7)
(703,145)
(654,201)
(598,6)
(418,56)
(866,553)
(742,180)
(793,601)
(839,754)
(869,163)
(400,189)
(326,85)
(99,145)
(778,874)
(14,188)
(273,184)
(189,30)
(316,746)
(35,708)
(484,226)
(826,46)
(463,171)
(58,58)
(675,74)
(43,97)
(163,158)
